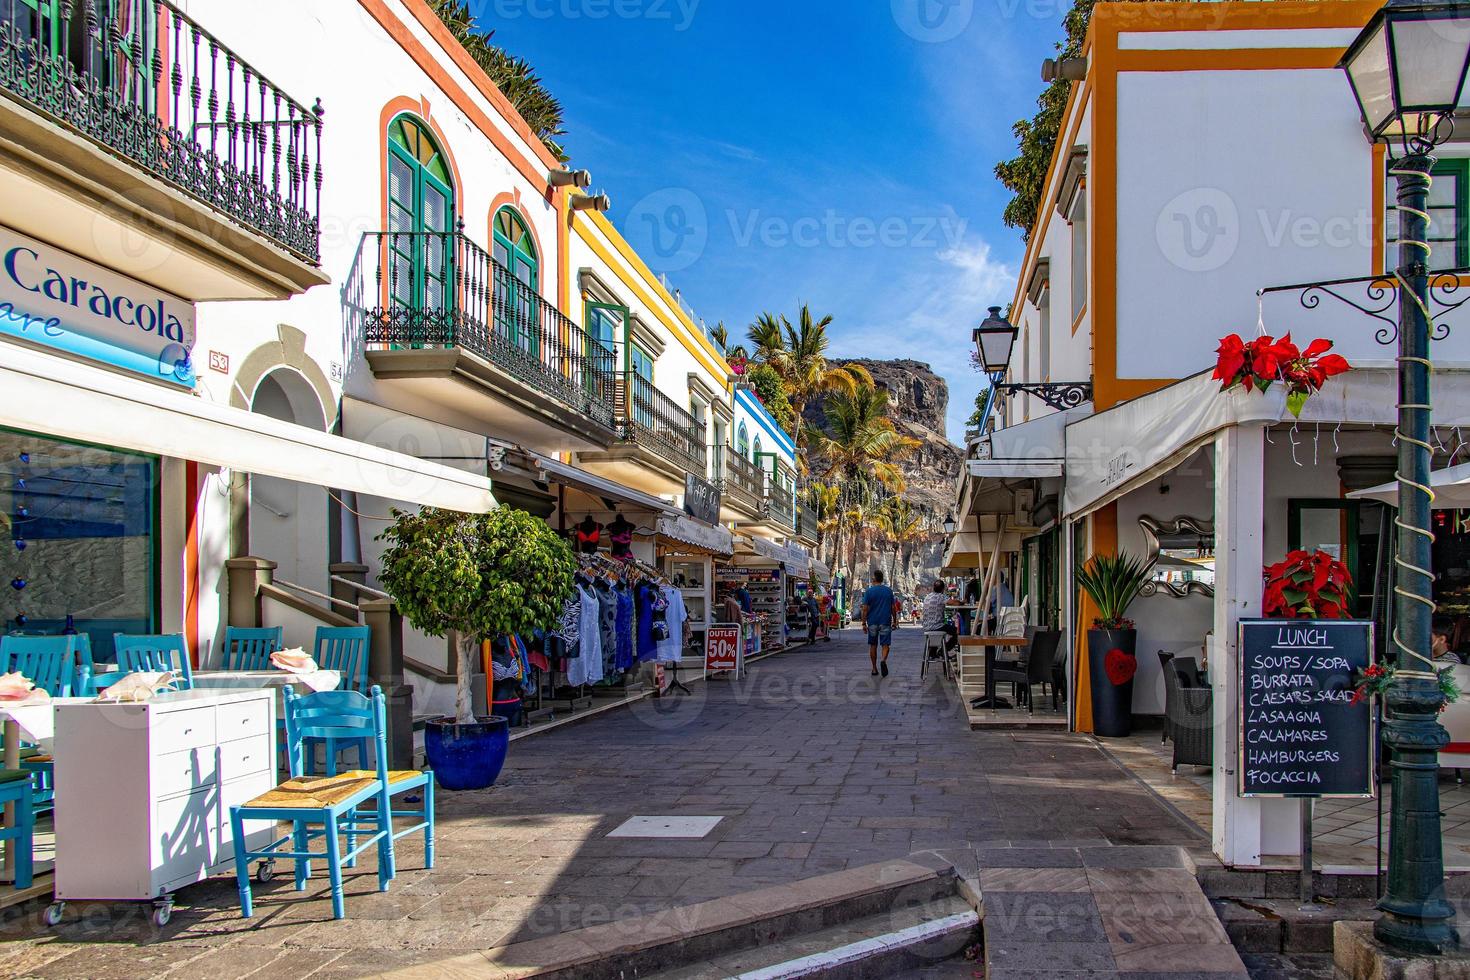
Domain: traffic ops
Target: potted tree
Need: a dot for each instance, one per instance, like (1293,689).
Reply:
(1112,583)
(482,576)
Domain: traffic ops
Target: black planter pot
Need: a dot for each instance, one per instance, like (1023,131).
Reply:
(1112,702)
(466,756)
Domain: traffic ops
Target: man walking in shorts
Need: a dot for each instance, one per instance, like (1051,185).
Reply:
(878,609)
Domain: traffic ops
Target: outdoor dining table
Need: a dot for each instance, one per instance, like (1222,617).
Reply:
(307,683)
(37,722)
(990,645)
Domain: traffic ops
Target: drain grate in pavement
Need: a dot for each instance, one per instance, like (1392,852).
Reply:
(671,827)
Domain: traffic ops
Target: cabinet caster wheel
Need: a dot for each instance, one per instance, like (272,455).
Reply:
(161,914)
(265,871)
(52,915)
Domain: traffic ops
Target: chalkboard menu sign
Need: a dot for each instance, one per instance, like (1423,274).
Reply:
(1300,732)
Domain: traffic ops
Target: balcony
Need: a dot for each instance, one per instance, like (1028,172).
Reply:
(658,442)
(137,139)
(806,520)
(742,485)
(780,504)
(450,328)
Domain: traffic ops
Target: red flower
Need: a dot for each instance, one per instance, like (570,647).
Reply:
(1231,361)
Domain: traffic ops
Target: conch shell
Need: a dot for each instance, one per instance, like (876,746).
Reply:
(140,686)
(295,661)
(16,688)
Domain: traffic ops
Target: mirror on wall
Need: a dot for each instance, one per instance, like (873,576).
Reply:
(1181,556)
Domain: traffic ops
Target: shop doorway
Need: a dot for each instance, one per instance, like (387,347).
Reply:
(289,520)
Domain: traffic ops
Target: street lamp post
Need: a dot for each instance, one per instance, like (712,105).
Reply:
(1407,68)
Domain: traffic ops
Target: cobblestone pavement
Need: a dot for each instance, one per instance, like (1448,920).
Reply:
(811,764)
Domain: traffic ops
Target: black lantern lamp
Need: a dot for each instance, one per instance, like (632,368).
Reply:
(950,524)
(994,339)
(1407,68)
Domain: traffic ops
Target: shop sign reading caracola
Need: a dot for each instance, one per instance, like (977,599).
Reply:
(51,297)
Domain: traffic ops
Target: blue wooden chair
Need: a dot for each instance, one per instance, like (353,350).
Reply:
(50,663)
(150,652)
(15,787)
(400,781)
(250,649)
(343,649)
(323,807)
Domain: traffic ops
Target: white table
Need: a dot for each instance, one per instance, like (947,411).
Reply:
(38,723)
(242,680)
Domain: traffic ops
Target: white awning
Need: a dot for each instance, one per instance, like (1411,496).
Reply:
(751,544)
(685,529)
(1006,469)
(1451,489)
(54,396)
(1116,451)
(798,562)
(599,486)
(821,571)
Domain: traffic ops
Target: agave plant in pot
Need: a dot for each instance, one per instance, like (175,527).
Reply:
(1112,583)
(480,576)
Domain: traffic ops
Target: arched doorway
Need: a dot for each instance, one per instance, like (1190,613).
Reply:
(288,520)
(517,279)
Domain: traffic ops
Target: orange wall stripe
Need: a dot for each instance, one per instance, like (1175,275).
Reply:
(430,67)
(1103,228)
(1376,178)
(431,23)
(192,488)
(1249,16)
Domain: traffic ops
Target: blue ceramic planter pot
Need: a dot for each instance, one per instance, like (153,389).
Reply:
(467,756)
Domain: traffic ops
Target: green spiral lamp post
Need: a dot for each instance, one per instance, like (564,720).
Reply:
(1407,68)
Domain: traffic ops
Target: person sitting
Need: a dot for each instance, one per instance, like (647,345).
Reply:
(1442,630)
(935,617)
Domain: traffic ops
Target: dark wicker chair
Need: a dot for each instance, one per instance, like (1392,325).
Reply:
(1164,657)
(1189,714)
(1041,655)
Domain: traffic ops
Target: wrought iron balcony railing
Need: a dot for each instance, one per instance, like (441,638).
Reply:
(439,289)
(806,518)
(648,417)
(740,480)
(780,503)
(152,86)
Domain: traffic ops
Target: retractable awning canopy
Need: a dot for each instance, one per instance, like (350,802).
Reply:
(1118,450)
(821,571)
(1451,487)
(686,530)
(797,562)
(574,476)
(1035,449)
(54,396)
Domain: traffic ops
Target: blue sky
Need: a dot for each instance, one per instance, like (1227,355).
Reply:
(766,153)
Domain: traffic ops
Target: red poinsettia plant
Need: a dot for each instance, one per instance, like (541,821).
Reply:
(1260,363)
(1308,585)
(738,365)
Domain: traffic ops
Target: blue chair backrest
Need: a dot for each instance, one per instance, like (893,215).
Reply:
(250,649)
(49,662)
(344,715)
(154,653)
(345,649)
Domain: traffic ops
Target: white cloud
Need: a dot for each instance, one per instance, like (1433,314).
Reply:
(953,292)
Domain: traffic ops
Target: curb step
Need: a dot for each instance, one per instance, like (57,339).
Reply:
(879,920)
(880,946)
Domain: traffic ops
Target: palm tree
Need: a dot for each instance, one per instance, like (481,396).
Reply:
(827,498)
(798,355)
(515,77)
(720,334)
(864,440)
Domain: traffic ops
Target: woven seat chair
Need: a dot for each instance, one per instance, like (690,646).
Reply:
(1189,714)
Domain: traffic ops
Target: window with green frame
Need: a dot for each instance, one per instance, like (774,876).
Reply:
(641,365)
(515,251)
(742,441)
(1449,216)
(606,323)
(112,66)
(420,217)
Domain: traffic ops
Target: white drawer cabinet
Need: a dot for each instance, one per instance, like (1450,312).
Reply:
(143,791)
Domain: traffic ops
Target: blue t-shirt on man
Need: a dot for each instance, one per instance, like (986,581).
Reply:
(879,600)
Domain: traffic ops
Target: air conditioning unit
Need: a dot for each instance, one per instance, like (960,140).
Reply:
(1025,501)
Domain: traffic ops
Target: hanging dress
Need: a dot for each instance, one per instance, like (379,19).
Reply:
(624,626)
(587,665)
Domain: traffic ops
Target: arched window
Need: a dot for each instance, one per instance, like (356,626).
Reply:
(742,440)
(420,217)
(756,456)
(517,276)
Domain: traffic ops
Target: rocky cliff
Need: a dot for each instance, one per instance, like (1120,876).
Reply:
(918,400)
